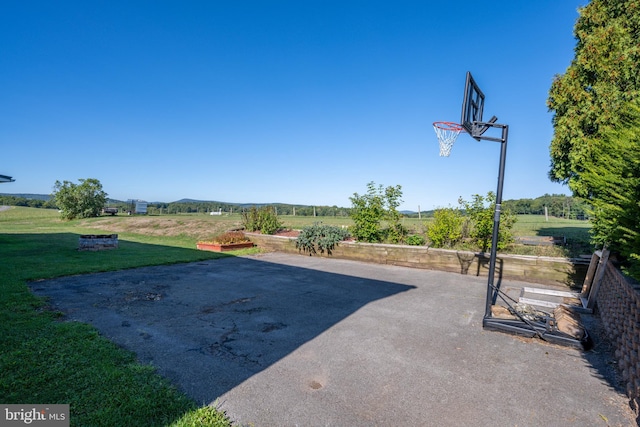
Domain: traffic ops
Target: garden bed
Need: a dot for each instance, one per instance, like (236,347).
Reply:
(220,247)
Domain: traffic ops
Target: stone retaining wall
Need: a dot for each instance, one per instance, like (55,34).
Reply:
(542,270)
(618,303)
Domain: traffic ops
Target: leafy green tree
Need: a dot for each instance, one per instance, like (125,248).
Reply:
(396,232)
(82,200)
(481,217)
(593,92)
(613,177)
(369,210)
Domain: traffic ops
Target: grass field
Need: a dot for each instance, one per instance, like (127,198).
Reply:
(48,361)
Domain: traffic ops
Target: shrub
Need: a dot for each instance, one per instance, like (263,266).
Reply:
(482,217)
(396,232)
(320,238)
(416,240)
(369,210)
(446,228)
(264,220)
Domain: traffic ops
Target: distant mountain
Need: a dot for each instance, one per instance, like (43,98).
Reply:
(192,201)
(46,197)
(242,205)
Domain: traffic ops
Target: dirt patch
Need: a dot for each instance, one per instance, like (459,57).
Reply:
(288,233)
(197,228)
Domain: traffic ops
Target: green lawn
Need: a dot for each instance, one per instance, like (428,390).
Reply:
(48,361)
(576,233)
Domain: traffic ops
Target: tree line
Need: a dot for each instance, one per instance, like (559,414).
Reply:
(9,200)
(557,205)
(228,208)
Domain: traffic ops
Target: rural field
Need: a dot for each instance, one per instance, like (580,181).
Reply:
(192,227)
(45,360)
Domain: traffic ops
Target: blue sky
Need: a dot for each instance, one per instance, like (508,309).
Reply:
(286,101)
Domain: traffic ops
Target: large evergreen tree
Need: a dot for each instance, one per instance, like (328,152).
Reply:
(613,179)
(593,92)
(596,148)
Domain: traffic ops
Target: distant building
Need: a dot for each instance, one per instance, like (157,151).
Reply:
(137,207)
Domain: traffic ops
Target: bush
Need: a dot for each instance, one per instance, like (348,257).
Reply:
(320,238)
(264,220)
(369,210)
(416,240)
(446,228)
(482,219)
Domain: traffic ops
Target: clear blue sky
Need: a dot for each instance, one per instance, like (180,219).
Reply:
(290,101)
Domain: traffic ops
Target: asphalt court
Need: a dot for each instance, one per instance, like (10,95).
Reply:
(291,340)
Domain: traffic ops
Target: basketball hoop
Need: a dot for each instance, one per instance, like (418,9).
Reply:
(447,133)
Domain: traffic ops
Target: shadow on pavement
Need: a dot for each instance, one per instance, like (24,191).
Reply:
(210,325)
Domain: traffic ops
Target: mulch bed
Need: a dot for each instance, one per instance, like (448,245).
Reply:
(288,233)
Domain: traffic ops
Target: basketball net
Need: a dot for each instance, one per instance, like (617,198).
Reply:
(447,133)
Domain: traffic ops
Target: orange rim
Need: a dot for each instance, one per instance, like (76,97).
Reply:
(448,126)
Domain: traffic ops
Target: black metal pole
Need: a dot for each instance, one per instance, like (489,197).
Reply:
(491,288)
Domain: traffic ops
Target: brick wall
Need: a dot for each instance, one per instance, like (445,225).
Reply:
(618,303)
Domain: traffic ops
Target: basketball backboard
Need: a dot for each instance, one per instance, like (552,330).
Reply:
(472,105)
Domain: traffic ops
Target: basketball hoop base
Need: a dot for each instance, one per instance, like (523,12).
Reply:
(447,133)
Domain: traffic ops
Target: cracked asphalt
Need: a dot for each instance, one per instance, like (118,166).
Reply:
(292,340)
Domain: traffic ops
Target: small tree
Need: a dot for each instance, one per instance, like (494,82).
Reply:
(396,232)
(367,212)
(481,221)
(82,200)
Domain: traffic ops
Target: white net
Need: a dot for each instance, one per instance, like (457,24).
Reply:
(447,134)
